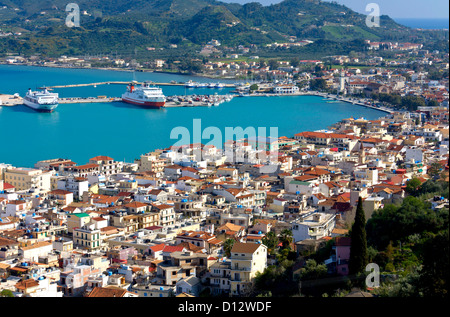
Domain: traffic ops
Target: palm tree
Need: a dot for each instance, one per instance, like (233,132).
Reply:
(271,241)
(286,238)
(227,246)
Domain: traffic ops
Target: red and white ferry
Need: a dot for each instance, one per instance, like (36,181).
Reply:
(146,96)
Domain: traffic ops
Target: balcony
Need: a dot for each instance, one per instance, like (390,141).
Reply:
(242,269)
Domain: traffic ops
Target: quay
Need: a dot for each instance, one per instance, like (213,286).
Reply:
(88,100)
(330,97)
(125,83)
(10,100)
(198,101)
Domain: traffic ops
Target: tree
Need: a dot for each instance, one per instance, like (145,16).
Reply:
(358,249)
(254,87)
(310,277)
(227,246)
(273,64)
(318,84)
(313,271)
(295,62)
(271,241)
(433,103)
(435,170)
(412,186)
(6,293)
(433,281)
(286,238)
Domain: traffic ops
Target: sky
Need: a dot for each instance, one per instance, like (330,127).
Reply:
(424,9)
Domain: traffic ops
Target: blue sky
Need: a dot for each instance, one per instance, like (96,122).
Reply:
(394,8)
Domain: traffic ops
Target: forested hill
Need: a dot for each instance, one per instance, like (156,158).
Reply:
(130,25)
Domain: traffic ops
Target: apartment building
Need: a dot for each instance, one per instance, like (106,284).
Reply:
(107,165)
(313,226)
(28,178)
(87,237)
(178,265)
(246,260)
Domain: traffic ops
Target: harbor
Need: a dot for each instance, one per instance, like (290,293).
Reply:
(145,128)
(172,83)
(171,101)
(199,100)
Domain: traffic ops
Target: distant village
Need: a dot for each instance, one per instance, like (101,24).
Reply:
(404,74)
(186,220)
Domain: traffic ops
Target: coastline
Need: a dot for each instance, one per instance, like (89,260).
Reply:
(126,70)
(143,117)
(325,95)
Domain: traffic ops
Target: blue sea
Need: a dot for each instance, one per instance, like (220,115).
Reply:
(428,24)
(124,132)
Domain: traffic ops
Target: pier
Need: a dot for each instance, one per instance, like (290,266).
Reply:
(88,100)
(125,83)
(172,101)
(10,100)
(190,100)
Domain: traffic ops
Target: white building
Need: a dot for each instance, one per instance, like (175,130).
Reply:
(287,89)
(314,226)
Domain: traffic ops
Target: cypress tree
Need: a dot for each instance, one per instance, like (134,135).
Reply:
(358,249)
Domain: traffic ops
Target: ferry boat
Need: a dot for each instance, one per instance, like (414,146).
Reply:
(145,96)
(42,101)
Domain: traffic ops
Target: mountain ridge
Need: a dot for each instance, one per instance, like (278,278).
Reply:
(120,24)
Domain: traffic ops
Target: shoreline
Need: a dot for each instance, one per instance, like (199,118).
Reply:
(324,95)
(125,70)
(312,93)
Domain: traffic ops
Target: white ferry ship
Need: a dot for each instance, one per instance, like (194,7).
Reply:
(42,101)
(145,96)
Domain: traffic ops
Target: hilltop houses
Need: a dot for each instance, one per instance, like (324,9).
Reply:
(164,228)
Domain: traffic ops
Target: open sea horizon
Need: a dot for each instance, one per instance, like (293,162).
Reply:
(428,24)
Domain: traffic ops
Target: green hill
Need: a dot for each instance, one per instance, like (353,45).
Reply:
(127,26)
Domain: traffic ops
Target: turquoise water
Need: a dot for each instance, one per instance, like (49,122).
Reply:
(81,131)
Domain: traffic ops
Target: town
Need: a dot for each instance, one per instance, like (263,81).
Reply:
(193,220)
(400,75)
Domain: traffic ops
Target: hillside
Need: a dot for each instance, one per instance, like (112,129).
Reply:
(129,26)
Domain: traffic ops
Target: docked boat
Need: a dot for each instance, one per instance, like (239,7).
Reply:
(145,96)
(42,101)
(190,84)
